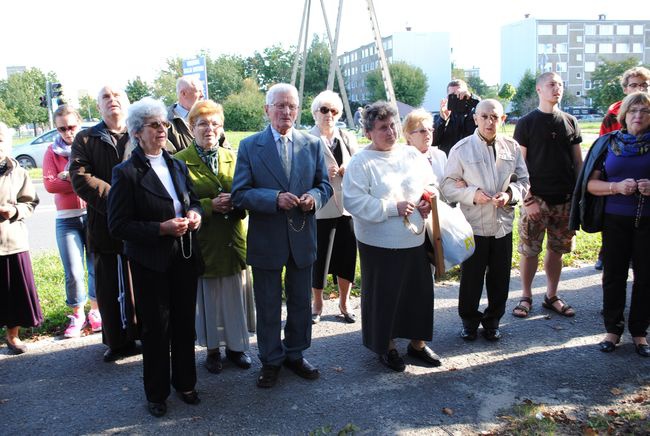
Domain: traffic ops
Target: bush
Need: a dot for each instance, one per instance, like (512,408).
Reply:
(244,111)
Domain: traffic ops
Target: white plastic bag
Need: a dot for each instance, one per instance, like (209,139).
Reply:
(456,234)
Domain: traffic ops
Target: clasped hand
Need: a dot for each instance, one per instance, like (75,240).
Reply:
(222,203)
(287,201)
(406,208)
(179,226)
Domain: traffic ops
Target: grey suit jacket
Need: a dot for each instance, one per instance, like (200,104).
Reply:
(259,178)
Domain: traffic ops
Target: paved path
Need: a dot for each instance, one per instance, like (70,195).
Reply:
(63,387)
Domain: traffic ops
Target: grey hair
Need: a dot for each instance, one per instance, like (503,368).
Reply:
(185,82)
(281,88)
(6,134)
(329,97)
(115,89)
(378,111)
(142,110)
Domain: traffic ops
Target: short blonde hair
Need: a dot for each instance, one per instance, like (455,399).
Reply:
(412,120)
(629,101)
(642,72)
(205,108)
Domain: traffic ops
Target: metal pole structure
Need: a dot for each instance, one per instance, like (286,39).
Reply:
(48,96)
(383,63)
(304,63)
(294,70)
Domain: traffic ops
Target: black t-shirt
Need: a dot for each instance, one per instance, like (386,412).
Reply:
(549,139)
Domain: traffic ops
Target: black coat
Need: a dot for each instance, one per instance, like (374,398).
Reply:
(137,204)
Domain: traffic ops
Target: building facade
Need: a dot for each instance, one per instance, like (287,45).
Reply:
(571,48)
(429,51)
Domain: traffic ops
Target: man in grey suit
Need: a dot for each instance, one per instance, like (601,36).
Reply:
(281,179)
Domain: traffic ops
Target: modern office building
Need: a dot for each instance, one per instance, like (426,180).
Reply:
(428,50)
(572,48)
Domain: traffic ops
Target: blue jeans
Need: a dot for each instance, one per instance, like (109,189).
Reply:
(71,240)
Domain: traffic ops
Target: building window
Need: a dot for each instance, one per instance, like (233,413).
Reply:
(578,38)
(579,57)
(590,48)
(590,67)
(606,29)
(578,93)
(545,29)
(623,29)
(548,66)
(590,29)
(587,84)
(560,67)
(637,47)
(605,48)
(622,47)
(638,29)
(578,75)
(561,48)
(561,29)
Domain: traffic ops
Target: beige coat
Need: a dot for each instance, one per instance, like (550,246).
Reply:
(334,207)
(16,189)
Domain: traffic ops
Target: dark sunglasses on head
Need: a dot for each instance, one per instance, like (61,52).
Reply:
(64,129)
(324,110)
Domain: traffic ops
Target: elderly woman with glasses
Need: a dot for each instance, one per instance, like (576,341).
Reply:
(418,131)
(221,312)
(71,224)
(152,208)
(336,244)
(383,190)
(19,304)
(617,168)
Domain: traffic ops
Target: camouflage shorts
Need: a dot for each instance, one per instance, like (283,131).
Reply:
(554,222)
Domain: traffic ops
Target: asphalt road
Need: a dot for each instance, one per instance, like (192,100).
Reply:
(63,387)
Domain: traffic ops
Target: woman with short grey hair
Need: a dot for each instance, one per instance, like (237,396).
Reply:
(336,244)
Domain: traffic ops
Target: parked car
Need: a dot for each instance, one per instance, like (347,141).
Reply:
(592,118)
(30,154)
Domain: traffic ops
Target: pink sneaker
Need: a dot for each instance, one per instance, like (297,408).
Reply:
(95,320)
(75,326)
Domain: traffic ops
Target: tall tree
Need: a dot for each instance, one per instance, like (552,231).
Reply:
(507,93)
(478,86)
(21,94)
(244,110)
(606,86)
(409,82)
(317,68)
(271,66)
(7,116)
(137,89)
(164,86)
(225,76)
(525,99)
(88,108)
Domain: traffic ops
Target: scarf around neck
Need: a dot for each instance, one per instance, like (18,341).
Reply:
(626,145)
(61,148)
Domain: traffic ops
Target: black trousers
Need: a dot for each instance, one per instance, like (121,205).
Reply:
(623,242)
(107,291)
(491,264)
(165,304)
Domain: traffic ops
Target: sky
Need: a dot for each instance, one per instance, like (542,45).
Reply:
(91,43)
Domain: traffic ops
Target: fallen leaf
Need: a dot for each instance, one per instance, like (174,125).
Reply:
(616,391)
(447,411)
(611,412)
(588,431)
(638,399)
(452,369)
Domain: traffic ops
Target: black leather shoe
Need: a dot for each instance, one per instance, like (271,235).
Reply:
(17,348)
(607,346)
(491,335)
(302,368)
(393,360)
(642,350)
(426,355)
(190,397)
(239,358)
(111,355)
(268,376)
(213,362)
(468,334)
(157,409)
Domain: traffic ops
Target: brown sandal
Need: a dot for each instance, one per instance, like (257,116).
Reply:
(521,307)
(565,310)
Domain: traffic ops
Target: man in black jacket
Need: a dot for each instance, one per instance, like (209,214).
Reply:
(456,120)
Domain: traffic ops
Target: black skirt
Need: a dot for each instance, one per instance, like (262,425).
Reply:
(19,304)
(343,260)
(396,295)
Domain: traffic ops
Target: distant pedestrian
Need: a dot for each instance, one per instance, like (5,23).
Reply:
(189,90)
(358,119)
(71,224)
(19,303)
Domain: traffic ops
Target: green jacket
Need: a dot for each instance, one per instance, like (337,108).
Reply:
(222,237)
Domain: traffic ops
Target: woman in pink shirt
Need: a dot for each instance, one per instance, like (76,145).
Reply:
(71,224)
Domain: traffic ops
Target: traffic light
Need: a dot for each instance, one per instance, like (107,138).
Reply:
(56,90)
(43,100)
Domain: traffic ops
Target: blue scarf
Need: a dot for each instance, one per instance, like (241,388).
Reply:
(626,145)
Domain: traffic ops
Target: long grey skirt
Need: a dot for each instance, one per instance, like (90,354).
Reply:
(396,295)
(221,313)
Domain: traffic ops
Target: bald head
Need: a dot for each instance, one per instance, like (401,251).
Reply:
(488,117)
(189,90)
(490,104)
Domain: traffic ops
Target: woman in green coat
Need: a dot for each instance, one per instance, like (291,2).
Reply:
(220,314)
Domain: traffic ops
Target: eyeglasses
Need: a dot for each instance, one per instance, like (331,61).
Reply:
(492,118)
(64,129)
(209,125)
(643,85)
(324,110)
(644,111)
(283,106)
(158,124)
(422,131)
